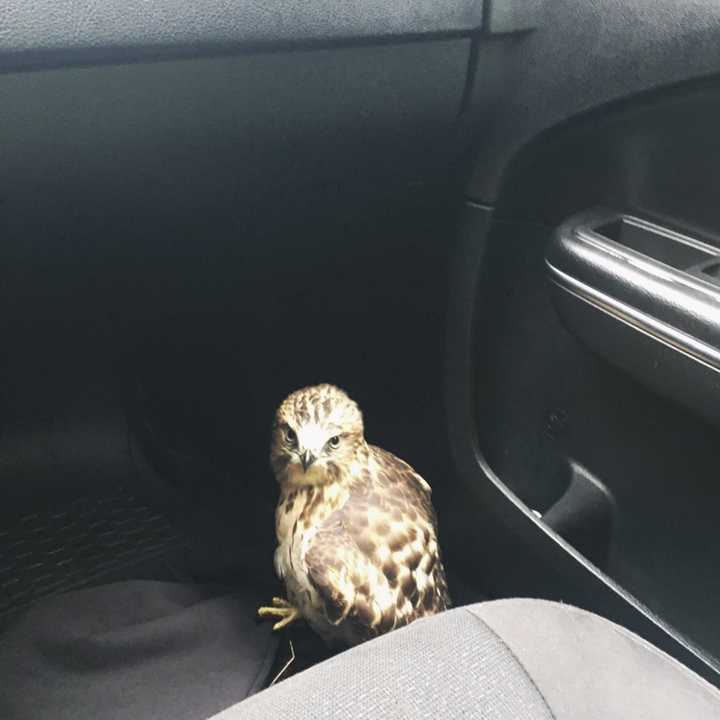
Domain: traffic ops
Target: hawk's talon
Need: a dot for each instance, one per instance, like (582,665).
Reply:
(282,609)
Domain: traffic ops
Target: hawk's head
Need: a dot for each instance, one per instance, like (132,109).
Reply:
(317,435)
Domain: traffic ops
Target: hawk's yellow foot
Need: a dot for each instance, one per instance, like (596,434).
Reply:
(282,609)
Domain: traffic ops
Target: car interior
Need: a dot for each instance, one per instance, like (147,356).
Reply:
(494,223)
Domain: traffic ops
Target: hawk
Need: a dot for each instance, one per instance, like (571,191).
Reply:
(356,530)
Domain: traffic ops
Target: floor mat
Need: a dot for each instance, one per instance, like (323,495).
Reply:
(132,650)
(92,538)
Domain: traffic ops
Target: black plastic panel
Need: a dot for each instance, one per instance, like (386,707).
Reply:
(580,56)
(176,140)
(655,242)
(520,395)
(60,31)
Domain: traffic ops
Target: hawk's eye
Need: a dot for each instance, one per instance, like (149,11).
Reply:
(290,436)
(334,441)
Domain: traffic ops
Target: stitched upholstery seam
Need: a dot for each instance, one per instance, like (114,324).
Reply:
(516,659)
(563,608)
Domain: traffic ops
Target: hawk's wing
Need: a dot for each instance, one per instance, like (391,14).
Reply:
(375,562)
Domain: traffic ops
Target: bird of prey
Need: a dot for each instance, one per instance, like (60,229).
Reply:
(356,530)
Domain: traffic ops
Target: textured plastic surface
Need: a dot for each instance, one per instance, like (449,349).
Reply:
(62,29)
(44,553)
(509,16)
(221,130)
(579,56)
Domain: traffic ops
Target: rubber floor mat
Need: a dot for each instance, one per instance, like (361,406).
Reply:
(71,546)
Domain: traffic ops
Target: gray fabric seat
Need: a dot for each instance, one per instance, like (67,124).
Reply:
(509,659)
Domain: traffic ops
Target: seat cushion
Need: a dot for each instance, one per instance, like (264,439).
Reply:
(134,650)
(502,660)
(584,664)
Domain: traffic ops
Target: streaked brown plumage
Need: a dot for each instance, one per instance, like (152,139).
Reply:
(356,530)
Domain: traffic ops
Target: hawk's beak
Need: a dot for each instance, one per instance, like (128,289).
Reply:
(307,459)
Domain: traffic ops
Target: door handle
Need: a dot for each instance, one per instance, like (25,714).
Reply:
(645,297)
